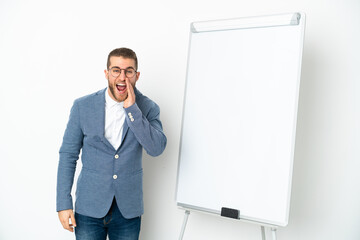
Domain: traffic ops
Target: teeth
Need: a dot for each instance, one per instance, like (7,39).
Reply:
(121,84)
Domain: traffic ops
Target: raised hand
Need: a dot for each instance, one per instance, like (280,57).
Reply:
(130,100)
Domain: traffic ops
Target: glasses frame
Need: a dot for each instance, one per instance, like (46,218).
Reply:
(126,71)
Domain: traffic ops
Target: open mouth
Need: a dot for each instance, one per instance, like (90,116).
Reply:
(121,87)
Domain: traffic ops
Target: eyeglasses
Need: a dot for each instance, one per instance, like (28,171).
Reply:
(116,71)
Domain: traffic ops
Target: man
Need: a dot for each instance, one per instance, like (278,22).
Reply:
(110,127)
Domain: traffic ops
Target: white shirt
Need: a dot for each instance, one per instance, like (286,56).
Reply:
(114,120)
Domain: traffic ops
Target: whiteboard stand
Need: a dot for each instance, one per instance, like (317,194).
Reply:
(263,234)
(187,213)
(273,232)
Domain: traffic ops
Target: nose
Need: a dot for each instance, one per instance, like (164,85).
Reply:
(122,75)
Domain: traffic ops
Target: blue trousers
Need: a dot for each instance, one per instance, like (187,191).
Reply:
(113,225)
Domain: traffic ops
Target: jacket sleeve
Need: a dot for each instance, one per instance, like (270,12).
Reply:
(68,156)
(147,129)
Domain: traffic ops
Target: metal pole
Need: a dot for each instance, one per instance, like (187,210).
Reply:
(263,236)
(273,231)
(187,213)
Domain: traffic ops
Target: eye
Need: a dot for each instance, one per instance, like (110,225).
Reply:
(115,70)
(130,71)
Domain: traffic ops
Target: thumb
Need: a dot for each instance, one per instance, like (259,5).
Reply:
(73,219)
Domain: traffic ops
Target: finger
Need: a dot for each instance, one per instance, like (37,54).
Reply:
(69,227)
(130,100)
(73,220)
(65,224)
(129,87)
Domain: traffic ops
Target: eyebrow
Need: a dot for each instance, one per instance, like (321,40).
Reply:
(121,68)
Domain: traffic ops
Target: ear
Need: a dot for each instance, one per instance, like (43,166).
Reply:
(106,74)
(137,76)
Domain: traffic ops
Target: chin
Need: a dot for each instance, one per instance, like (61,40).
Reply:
(121,98)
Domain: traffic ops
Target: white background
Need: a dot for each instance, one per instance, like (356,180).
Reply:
(52,52)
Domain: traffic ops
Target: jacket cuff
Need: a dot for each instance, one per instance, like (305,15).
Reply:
(65,205)
(133,113)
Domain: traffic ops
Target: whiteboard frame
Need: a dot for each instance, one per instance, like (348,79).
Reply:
(297,18)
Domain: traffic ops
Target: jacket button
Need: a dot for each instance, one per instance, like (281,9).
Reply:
(115,176)
(116,156)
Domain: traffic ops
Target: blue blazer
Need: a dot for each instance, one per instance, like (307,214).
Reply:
(107,172)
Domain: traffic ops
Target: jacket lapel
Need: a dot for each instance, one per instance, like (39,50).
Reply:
(100,117)
(125,130)
(126,126)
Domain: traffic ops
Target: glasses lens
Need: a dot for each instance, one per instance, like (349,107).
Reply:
(130,73)
(115,72)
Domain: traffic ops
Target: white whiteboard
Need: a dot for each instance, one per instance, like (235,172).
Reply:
(239,117)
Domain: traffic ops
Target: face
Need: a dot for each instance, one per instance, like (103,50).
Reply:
(118,90)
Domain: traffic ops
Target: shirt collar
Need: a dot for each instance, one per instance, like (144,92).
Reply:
(109,102)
